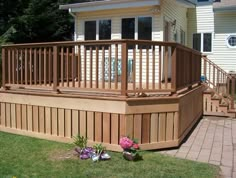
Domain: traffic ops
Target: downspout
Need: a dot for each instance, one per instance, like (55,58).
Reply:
(75,23)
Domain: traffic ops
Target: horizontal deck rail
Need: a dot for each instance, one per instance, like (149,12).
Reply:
(125,67)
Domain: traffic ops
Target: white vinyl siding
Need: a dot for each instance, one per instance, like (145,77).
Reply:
(171,11)
(224,56)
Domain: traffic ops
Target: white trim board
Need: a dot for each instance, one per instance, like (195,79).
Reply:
(109,5)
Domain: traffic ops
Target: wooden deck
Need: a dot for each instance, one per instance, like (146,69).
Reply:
(102,90)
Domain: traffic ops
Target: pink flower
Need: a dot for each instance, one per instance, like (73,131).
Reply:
(135,146)
(126,143)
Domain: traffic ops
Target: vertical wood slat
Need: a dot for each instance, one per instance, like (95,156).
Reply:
(55,67)
(62,66)
(40,66)
(48,117)
(41,119)
(138,127)
(146,128)
(61,122)
(26,67)
(176,125)
(79,65)
(9,65)
(124,64)
(50,66)
(109,67)
(91,68)
(3,67)
(24,116)
(35,66)
(75,122)
(35,119)
(116,66)
(13,66)
(174,68)
(3,114)
(169,126)
(140,68)
(122,125)
(90,126)
(153,68)
(17,67)
(162,127)
(114,129)
(98,128)
(83,124)
(68,121)
(54,121)
(31,77)
(154,128)
(30,117)
(166,63)
(13,115)
(129,119)
(18,116)
(97,67)
(147,68)
(85,68)
(73,67)
(45,66)
(134,69)
(103,68)
(21,67)
(106,127)
(160,64)
(8,115)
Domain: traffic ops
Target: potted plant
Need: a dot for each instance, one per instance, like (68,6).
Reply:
(130,148)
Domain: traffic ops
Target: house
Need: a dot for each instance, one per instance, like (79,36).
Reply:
(128,72)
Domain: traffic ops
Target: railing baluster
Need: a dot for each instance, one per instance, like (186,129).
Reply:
(124,69)
(85,67)
(166,63)
(174,69)
(103,67)
(109,67)
(91,68)
(17,67)
(31,66)
(9,65)
(153,67)
(97,69)
(13,66)
(116,66)
(62,66)
(40,66)
(50,66)
(4,68)
(73,67)
(160,66)
(134,68)
(45,66)
(79,65)
(55,68)
(67,66)
(21,66)
(140,68)
(35,66)
(147,67)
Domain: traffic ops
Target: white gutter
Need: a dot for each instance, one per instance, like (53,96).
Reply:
(75,23)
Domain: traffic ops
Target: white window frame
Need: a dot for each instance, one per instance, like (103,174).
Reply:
(97,27)
(202,42)
(227,40)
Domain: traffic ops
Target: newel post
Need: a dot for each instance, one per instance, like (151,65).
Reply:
(124,69)
(174,68)
(55,68)
(3,68)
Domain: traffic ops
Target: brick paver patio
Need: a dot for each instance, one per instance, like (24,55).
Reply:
(212,141)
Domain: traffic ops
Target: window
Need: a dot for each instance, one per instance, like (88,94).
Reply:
(104,29)
(128,28)
(202,42)
(145,28)
(90,30)
(231,41)
(202,0)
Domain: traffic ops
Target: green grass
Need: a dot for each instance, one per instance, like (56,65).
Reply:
(29,157)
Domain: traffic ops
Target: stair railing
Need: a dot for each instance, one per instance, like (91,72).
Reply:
(219,80)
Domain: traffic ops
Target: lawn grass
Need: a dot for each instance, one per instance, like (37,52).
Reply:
(29,157)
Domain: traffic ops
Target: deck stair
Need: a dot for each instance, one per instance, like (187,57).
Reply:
(217,98)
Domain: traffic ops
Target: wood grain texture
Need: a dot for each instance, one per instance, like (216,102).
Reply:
(55,121)
(41,119)
(90,126)
(162,127)
(48,120)
(30,117)
(24,117)
(75,122)
(68,130)
(61,122)
(146,128)
(114,129)
(138,127)
(169,126)
(83,123)
(13,115)
(106,127)
(18,116)
(154,128)
(8,115)
(35,119)
(98,127)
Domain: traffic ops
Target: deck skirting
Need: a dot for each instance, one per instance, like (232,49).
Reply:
(156,123)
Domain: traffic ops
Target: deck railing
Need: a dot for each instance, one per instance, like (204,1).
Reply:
(125,67)
(219,80)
